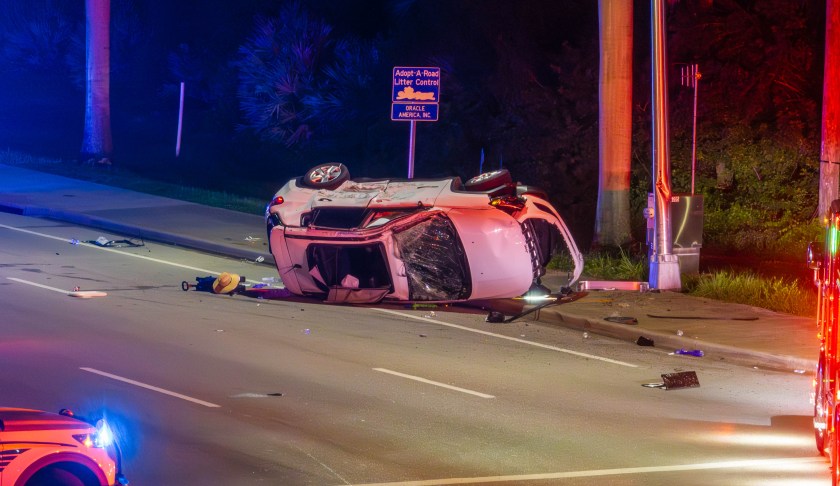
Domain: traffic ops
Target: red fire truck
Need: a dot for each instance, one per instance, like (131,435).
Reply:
(825,261)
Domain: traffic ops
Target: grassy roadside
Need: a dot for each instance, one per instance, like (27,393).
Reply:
(780,294)
(740,286)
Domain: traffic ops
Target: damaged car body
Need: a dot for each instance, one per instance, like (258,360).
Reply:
(429,240)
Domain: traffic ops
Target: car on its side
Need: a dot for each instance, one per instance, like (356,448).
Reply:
(40,448)
(429,240)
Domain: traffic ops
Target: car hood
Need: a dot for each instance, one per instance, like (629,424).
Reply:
(21,419)
(375,194)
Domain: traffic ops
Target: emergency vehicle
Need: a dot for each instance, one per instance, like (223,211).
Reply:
(824,260)
(56,449)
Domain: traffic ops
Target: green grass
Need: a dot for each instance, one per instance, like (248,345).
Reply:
(778,294)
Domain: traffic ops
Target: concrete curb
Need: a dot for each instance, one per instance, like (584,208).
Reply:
(670,342)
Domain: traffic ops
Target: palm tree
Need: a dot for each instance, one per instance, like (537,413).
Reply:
(96,141)
(298,81)
(612,219)
(830,150)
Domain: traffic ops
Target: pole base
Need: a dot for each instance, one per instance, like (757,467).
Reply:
(665,272)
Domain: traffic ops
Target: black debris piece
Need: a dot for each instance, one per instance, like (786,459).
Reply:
(643,341)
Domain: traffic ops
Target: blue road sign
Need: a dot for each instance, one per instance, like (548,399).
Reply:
(414,111)
(415,94)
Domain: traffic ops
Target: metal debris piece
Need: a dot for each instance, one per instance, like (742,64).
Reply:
(672,381)
(631,321)
(682,379)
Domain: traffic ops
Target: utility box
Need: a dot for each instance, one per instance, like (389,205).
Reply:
(686,229)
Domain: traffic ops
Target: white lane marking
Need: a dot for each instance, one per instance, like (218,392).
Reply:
(436,383)
(502,336)
(27,282)
(150,387)
(766,463)
(88,245)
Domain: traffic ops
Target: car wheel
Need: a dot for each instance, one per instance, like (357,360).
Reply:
(488,180)
(820,406)
(326,176)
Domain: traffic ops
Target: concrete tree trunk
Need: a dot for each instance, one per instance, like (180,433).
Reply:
(830,148)
(615,92)
(97,145)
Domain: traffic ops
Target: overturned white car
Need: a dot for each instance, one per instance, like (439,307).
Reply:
(430,240)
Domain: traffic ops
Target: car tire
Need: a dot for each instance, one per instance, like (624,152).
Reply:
(326,176)
(819,404)
(489,180)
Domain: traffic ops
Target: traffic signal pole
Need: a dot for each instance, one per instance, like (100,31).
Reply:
(664,265)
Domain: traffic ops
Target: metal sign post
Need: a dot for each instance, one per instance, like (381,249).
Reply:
(415,94)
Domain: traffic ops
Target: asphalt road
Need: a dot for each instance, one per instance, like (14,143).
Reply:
(210,389)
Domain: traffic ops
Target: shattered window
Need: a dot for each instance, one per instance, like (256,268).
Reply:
(434,258)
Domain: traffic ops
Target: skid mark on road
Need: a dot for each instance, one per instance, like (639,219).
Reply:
(768,464)
(502,336)
(118,252)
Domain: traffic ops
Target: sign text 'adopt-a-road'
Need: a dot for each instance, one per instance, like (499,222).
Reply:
(415,94)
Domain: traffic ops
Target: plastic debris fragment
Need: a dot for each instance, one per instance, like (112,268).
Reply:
(680,332)
(260,259)
(690,352)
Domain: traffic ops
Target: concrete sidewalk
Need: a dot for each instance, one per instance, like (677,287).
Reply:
(728,332)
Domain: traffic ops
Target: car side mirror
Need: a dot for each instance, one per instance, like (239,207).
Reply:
(814,256)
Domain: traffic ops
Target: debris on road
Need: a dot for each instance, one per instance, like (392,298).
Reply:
(87,294)
(671,381)
(690,352)
(643,341)
(631,321)
(105,242)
